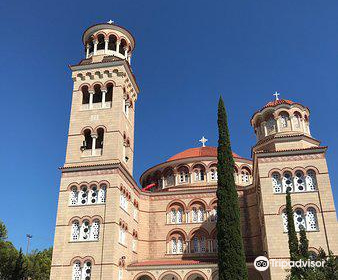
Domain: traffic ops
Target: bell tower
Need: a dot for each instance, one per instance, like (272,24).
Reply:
(98,198)
(286,157)
(101,128)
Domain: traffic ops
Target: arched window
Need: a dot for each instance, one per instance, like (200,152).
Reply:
(88,140)
(102,194)
(123,45)
(87,270)
(99,140)
(85,95)
(213,174)
(200,214)
(245,175)
(199,172)
(93,194)
(271,125)
(112,43)
(122,235)
(75,235)
(97,98)
(311,180)
(287,182)
(276,182)
(169,178)
(91,45)
(284,119)
(85,231)
(183,175)
(173,216)
(109,94)
(73,197)
(311,219)
(100,44)
(174,246)
(77,271)
(299,181)
(123,201)
(95,230)
(83,195)
(179,245)
(199,242)
(299,219)
(179,218)
(194,214)
(213,213)
(297,117)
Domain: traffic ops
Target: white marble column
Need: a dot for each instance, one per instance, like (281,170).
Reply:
(95,46)
(94,137)
(91,96)
(106,41)
(103,98)
(118,46)
(87,50)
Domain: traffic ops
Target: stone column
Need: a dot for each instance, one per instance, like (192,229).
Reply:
(91,96)
(118,46)
(95,46)
(103,98)
(125,52)
(87,50)
(94,137)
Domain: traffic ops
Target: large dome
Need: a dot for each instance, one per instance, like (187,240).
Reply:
(198,152)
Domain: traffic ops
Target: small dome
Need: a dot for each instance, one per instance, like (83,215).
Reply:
(198,152)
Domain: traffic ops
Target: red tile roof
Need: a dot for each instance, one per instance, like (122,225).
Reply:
(279,102)
(171,262)
(198,152)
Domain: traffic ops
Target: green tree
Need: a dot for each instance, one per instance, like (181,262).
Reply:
(303,244)
(19,271)
(8,254)
(231,256)
(39,263)
(3,231)
(292,236)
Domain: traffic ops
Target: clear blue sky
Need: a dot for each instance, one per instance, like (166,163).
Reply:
(187,53)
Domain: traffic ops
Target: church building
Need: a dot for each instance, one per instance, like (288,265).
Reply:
(112,226)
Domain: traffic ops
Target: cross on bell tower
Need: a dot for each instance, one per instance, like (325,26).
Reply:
(276,94)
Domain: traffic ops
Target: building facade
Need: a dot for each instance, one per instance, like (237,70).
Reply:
(109,228)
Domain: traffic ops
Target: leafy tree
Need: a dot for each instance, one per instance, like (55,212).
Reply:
(3,231)
(231,256)
(39,263)
(19,271)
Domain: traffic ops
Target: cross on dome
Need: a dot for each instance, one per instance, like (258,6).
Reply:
(203,140)
(110,21)
(276,94)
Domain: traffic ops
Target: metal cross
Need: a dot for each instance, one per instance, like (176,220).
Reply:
(110,21)
(276,94)
(203,141)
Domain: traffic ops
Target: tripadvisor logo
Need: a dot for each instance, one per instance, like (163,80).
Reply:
(261,263)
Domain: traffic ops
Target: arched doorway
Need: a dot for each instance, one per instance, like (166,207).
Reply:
(144,276)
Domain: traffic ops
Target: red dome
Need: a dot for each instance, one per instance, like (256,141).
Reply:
(279,102)
(198,152)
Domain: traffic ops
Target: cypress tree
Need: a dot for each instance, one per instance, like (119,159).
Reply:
(303,244)
(19,269)
(231,256)
(292,235)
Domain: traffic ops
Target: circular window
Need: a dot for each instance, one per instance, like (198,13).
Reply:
(301,188)
(288,182)
(287,175)
(289,189)
(299,212)
(89,264)
(299,174)
(83,201)
(93,200)
(299,181)
(94,188)
(299,219)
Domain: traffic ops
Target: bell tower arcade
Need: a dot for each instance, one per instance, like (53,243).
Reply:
(96,183)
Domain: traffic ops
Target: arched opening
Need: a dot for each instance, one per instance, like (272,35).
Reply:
(183,176)
(169,178)
(123,45)
(199,172)
(170,276)
(99,140)
(85,95)
(196,276)
(100,44)
(97,98)
(91,45)
(112,43)
(87,143)
(284,119)
(144,277)
(109,94)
